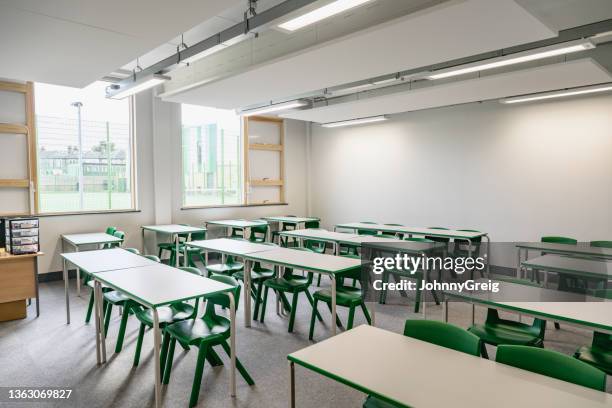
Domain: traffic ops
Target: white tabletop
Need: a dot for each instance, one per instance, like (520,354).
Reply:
(306,260)
(158,284)
(420,374)
(580,249)
(290,220)
(230,246)
(173,229)
(106,260)
(91,238)
(237,223)
(320,234)
(577,266)
(413,230)
(550,304)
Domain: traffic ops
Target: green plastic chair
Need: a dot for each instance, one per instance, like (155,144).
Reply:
(259,275)
(318,247)
(118,234)
(191,252)
(601,244)
(418,276)
(346,296)
(552,364)
(599,353)
(438,239)
(172,313)
(367,232)
(109,231)
(133,250)
(285,227)
(289,283)
(229,267)
(259,233)
(390,234)
(443,334)
(204,333)
(497,331)
(170,246)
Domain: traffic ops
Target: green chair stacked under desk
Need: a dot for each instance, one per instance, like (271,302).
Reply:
(227,267)
(438,239)
(109,231)
(391,234)
(346,296)
(462,248)
(417,275)
(366,231)
(497,331)
(120,235)
(318,247)
(191,252)
(289,283)
(259,233)
(204,333)
(599,353)
(285,227)
(552,364)
(443,334)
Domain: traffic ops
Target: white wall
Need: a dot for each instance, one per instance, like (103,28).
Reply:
(515,171)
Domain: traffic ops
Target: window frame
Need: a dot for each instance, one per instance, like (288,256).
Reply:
(133,171)
(242,170)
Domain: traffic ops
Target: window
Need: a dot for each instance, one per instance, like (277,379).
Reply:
(212,165)
(85,149)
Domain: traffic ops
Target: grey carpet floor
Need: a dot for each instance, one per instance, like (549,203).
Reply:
(45,352)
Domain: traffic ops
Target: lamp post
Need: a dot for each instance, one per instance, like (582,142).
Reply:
(79,105)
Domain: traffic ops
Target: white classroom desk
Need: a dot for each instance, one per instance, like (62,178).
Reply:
(591,268)
(311,262)
(244,225)
(158,285)
(569,308)
(98,261)
(336,238)
(174,230)
(582,250)
(414,373)
(93,238)
(234,247)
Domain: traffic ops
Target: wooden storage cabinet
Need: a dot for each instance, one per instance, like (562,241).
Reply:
(18,282)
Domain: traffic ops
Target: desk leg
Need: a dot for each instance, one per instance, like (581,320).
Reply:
(247,293)
(176,247)
(445,311)
(232,344)
(36,286)
(143,241)
(518,263)
(488,255)
(336,247)
(473,313)
(156,358)
(185,260)
(78,275)
(423,292)
(65,274)
(333,302)
(101,320)
(96,312)
(373,312)
(291,384)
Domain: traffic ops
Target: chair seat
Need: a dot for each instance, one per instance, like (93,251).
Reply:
(345,296)
(167,314)
(256,275)
(596,356)
(115,297)
(288,285)
(508,332)
(193,331)
(373,402)
(222,269)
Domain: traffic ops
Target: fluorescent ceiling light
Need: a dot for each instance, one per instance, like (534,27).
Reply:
(559,94)
(532,55)
(221,46)
(298,103)
(352,122)
(132,88)
(329,10)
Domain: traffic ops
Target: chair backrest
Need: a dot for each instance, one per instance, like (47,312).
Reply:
(133,250)
(222,299)
(314,245)
(119,234)
(259,231)
(154,258)
(312,224)
(191,269)
(552,364)
(353,273)
(438,239)
(364,231)
(198,236)
(111,230)
(601,244)
(559,240)
(443,334)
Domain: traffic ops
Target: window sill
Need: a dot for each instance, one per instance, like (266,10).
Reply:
(204,207)
(100,212)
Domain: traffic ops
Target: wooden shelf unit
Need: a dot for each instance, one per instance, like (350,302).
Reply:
(275,147)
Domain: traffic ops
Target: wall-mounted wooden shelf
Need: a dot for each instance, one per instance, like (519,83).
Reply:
(25,183)
(264,183)
(13,128)
(13,87)
(266,146)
